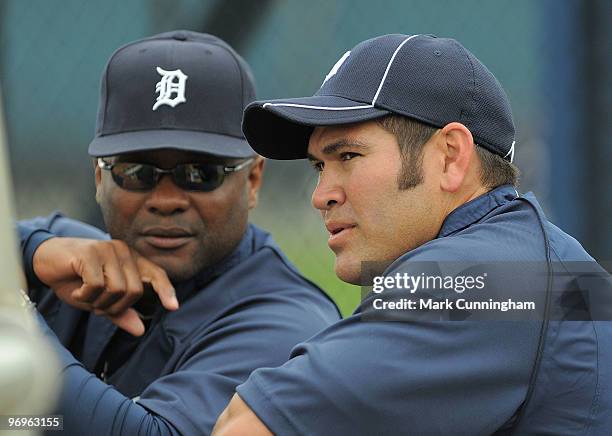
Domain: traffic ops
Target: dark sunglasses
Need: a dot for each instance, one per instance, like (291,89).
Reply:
(202,177)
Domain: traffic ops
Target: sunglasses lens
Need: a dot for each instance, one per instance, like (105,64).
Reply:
(199,177)
(190,177)
(134,176)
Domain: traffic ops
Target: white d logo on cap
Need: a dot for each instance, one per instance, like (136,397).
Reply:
(171,83)
(336,67)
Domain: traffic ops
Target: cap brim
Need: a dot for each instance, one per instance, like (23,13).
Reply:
(280,129)
(185,140)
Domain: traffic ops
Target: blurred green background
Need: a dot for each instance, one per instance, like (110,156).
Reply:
(552,56)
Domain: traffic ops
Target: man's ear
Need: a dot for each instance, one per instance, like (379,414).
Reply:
(254,181)
(98,180)
(459,155)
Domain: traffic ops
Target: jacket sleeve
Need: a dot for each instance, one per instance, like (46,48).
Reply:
(245,332)
(87,404)
(90,406)
(35,231)
(404,371)
(363,378)
(258,332)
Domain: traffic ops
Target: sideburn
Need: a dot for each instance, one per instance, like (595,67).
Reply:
(411,173)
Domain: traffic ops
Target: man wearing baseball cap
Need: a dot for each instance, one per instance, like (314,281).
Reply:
(413,141)
(205,296)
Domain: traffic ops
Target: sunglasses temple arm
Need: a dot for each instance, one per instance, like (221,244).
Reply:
(239,166)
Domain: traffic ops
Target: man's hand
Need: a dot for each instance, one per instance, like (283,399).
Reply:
(105,277)
(239,420)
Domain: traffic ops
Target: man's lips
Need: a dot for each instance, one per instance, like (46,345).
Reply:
(338,231)
(166,237)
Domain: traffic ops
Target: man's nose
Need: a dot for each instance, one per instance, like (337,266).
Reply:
(166,198)
(329,192)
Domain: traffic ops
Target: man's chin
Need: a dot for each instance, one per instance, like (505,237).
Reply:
(349,272)
(358,271)
(175,266)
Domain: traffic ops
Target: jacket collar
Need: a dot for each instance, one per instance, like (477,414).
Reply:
(474,210)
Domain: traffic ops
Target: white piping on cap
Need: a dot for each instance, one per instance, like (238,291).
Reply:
(511,152)
(346,108)
(325,108)
(382,82)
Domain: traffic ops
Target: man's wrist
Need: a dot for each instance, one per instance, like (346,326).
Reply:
(30,246)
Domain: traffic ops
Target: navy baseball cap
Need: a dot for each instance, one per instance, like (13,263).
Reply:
(180,90)
(433,80)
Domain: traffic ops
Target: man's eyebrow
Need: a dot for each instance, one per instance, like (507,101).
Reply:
(338,146)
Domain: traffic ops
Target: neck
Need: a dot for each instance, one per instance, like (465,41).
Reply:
(456,199)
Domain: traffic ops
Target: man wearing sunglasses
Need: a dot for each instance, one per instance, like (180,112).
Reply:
(201,297)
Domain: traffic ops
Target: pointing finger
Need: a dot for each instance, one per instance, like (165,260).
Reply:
(157,277)
(128,321)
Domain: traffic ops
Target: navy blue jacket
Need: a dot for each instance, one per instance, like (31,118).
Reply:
(244,313)
(432,375)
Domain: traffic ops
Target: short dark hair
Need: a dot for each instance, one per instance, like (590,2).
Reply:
(496,170)
(412,135)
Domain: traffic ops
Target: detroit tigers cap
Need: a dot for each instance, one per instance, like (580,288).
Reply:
(181,90)
(430,79)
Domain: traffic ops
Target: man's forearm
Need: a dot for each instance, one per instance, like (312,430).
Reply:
(90,406)
(239,420)
(30,238)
